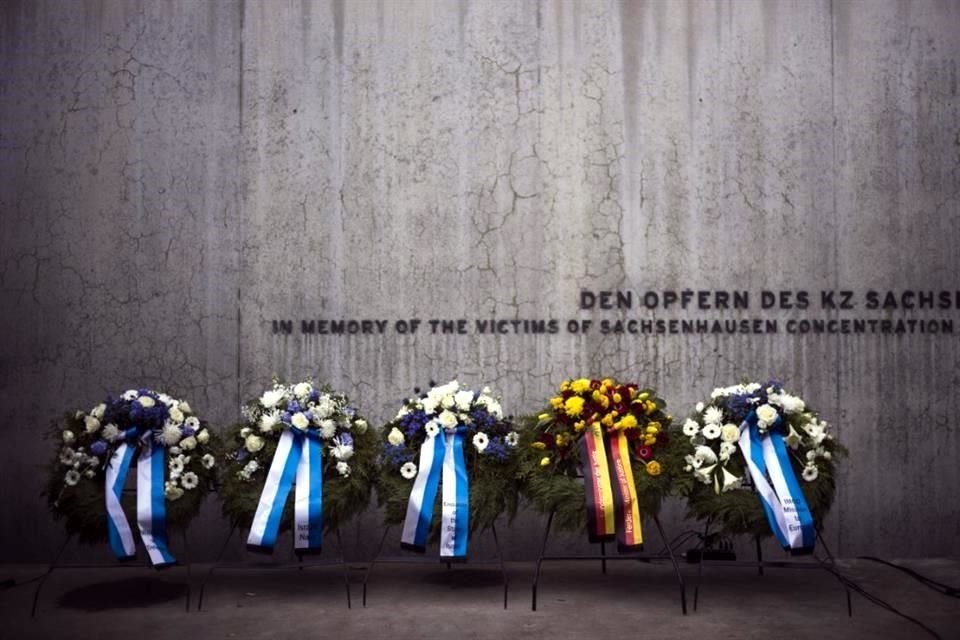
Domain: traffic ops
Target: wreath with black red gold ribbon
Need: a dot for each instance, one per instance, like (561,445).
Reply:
(613,435)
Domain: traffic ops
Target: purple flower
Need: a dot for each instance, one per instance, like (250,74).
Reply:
(98,448)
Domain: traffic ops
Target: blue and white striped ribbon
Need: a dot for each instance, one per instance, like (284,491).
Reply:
(151,505)
(455,500)
(297,460)
(783,502)
(441,457)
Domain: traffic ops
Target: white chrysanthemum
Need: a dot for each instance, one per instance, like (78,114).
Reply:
(712,415)
(494,408)
(360,426)
(203,437)
(190,480)
(92,424)
(189,443)
(711,431)
(98,411)
(110,432)
(766,416)
(208,461)
(253,443)
(272,398)
(480,441)
(432,428)
(341,451)
(448,419)
(343,469)
(395,437)
(810,473)
(176,416)
(146,402)
(68,437)
(512,438)
(167,400)
(302,390)
(170,434)
(328,429)
(408,470)
(691,428)
(72,477)
(300,420)
(325,407)
(245,432)
(130,395)
(430,405)
(730,432)
(463,399)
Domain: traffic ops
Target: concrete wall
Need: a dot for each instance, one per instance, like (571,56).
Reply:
(177,175)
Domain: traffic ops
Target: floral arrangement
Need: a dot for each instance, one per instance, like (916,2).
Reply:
(718,481)
(554,457)
(490,451)
(348,448)
(88,440)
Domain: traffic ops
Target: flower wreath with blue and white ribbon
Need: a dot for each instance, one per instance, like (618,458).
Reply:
(175,468)
(303,438)
(448,463)
(760,461)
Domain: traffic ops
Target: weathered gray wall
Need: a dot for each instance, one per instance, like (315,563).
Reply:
(175,176)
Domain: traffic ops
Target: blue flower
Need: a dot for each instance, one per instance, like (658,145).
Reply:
(98,448)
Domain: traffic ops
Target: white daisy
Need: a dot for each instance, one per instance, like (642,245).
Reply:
(432,428)
(512,438)
(711,431)
(130,394)
(176,465)
(72,477)
(190,480)
(810,473)
(691,428)
(208,461)
(480,441)
(408,470)
(192,422)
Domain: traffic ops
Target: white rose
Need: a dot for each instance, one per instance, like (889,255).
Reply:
(253,443)
(730,432)
(699,407)
(324,408)
(448,419)
(429,405)
(395,437)
(92,424)
(98,411)
(188,443)
(408,470)
(302,390)
(146,402)
(185,407)
(299,420)
(448,402)
(68,437)
(176,416)
(360,426)
(766,415)
(203,437)
(271,398)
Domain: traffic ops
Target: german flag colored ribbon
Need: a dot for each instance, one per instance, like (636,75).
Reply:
(611,496)
(601,515)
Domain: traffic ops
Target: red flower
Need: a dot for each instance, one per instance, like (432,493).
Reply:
(644,453)
(549,441)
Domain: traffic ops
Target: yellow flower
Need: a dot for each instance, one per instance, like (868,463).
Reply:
(633,393)
(653,427)
(607,420)
(557,402)
(573,406)
(651,407)
(563,439)
(650,440)
(543,416)
(545,461)
(628,422)
(581,385)
(538,445)
(606,382)
(653,468)
(617,397)
(564,385)
(643,396)
(579,426)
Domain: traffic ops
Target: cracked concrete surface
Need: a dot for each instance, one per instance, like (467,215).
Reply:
(177,176)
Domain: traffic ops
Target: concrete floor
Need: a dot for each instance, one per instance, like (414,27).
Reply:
(411,601)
